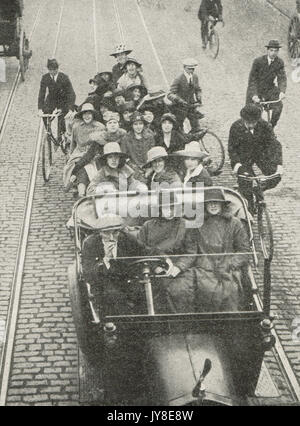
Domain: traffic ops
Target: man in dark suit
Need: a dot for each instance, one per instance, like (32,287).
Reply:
(56,91)
(252,141)
(209,8)
(184,92)
(104,272)
(267,80)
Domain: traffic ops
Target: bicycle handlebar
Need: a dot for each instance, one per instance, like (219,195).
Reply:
(259,178)
(270,102)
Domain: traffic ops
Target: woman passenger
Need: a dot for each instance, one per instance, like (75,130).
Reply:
(132,75)
(168,136)
(135,93)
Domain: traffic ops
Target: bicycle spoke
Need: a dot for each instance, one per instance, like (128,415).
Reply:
(214,147)
(265,233)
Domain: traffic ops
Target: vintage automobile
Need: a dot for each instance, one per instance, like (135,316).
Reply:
(13,41)
(167,359)
(294,33)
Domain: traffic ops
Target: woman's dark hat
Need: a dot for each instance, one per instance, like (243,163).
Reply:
(131,88)
(52,64)
(215,194)
(137,116)
(273,44)
(168,116)
(97,79)
(106,72)
(251,113)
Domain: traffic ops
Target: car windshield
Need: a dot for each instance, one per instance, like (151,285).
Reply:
(176,252)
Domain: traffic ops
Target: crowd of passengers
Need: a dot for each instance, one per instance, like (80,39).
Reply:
(126,135)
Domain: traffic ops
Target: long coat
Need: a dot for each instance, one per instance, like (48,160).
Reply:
(260,147)
(167,176)
(216,281)
(262,79)
(111,283)
(60,93)
(137,148)
(177,143)
(181,90)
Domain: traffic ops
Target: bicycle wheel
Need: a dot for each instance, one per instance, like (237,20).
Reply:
(265,232)
(22,59)
(46,157)
(293,38)
(213,146)
(213,44)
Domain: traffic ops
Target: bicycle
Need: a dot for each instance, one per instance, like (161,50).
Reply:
(208,140)
(260,208)
(266,106)
(212,37)
(53,139)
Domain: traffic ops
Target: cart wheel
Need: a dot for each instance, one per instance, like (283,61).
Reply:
(80,314)
(46,157)
(213,146)
(294,38)
(265,232)
(213,44)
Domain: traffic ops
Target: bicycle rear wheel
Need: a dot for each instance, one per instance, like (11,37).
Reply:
(46,157)
(210,143)
(213,44)
(265,232)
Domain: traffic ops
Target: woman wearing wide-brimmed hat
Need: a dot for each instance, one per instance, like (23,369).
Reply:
(113,169)
(121,53)
(218,278)
(159,171)
(155,99)
(193,158)
(132,74)
(135,93)
(168,135)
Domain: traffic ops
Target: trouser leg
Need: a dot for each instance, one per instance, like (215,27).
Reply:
(194,122)
(276,113)
(203,31)
(245,189)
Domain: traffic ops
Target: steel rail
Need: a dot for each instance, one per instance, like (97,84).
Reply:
(278,9)
(119,23)
(13,90)
(13,310)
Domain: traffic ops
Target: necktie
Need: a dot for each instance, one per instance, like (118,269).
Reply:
(191,82)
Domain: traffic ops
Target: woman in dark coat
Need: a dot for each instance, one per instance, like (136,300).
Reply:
(158,170)
(168,137)
(217,282)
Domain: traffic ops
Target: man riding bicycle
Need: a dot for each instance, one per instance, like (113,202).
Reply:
(267,80)
(209,8)
(184,93)
(60,94)
(252,141)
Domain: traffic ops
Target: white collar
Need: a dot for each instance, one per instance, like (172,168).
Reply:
(270,60)
(188,76)
(195,172)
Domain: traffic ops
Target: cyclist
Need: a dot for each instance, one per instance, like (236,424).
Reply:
(209,8)
(261,85)
(184,92)
(252,141)
(60,94)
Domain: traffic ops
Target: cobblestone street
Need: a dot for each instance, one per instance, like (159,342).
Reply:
(44,368)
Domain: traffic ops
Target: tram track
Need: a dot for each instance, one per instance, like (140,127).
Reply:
(16,289)
(13,90)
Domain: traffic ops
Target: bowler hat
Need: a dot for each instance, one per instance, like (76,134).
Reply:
(120,48)
(52,64)
(215,194)
(131,61)
(193,150)
(251,113)
(154,154)
(273,44)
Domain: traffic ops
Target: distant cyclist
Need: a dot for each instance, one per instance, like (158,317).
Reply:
(267,80)
(56,92)
(209,8)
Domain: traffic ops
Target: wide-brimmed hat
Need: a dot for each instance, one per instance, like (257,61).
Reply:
(97,79)
(190,62)
(109,222)
(168,116)
(131,60)
(153,94)
(120,48)
(251,113)
(112,148)
(154,154)
(273,44)
(106,72)
(193,150)
(52,64)
(137,116)
(215,194)
(141,87)
(87,107)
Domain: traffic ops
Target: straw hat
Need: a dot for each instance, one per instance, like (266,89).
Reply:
(120,48)
(86,108)
(112,148)
(193,150)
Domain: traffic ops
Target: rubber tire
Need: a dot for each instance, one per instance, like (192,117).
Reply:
(217,43)
(80,311)
(21,54)
(216,170)
(294,23)
(264,222)
(47,157)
